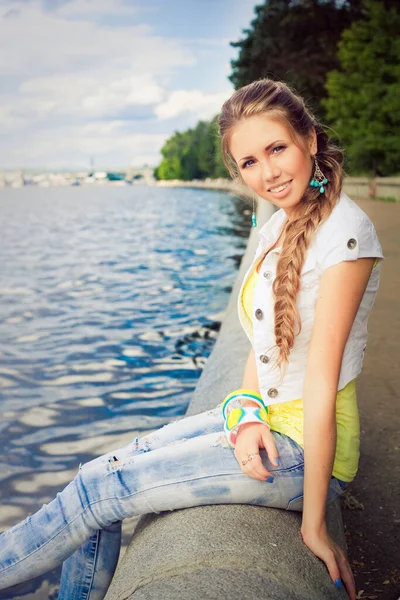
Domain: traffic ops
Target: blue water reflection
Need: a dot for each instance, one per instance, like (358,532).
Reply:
(110,303)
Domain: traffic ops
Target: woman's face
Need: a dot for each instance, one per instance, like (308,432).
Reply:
(270,162)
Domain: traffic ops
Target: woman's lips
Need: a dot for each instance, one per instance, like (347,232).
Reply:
(282,193)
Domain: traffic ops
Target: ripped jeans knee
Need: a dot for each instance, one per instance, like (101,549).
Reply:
(221,441)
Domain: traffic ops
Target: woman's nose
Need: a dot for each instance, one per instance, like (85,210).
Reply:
(269,171)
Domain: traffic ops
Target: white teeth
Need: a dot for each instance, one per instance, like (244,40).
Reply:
(280,188)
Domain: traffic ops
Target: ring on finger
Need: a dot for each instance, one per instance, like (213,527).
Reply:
(250,457)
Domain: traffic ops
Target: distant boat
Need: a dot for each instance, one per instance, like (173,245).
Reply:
(115,177)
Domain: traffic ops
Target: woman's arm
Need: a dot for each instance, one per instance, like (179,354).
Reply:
(252,436)
(250,377)
(341,290)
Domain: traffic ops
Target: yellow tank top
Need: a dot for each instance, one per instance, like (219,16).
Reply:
(287,417)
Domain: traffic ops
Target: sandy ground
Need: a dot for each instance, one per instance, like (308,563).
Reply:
(371,507)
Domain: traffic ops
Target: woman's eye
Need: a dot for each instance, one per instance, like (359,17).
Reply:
(275,150)
(246,163)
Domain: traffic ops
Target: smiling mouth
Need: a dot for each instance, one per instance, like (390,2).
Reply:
(280,187)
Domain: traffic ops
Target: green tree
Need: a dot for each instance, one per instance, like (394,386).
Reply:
(363,103)
(172,152)
(193,154)
(219,169)
(294,41)
(198,161)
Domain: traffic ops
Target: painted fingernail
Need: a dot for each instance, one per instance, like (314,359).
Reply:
(270,479)
(278,462)
(338,583)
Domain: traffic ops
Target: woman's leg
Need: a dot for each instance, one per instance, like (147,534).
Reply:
(93,564)
(190,472)
(88,572)
(183,428)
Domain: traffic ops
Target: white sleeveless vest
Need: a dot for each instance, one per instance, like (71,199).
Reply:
(347,234)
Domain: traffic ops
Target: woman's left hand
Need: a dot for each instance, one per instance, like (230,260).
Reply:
(322,545)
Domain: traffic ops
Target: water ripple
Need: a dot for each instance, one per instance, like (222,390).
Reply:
(111,300)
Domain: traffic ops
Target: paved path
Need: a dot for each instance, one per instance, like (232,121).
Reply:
(372,531)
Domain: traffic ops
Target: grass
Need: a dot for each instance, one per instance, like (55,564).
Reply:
(387,199)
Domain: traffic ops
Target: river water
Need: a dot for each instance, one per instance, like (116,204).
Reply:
(111,299)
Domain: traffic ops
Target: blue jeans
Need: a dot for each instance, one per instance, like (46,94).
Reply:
(186,463)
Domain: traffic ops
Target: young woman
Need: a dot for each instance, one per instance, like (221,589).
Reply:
(289,437)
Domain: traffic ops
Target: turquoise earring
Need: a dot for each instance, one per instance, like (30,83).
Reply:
(253,217)
(319,179)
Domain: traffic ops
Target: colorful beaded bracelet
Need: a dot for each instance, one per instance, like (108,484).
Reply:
(239,416)
(234,399)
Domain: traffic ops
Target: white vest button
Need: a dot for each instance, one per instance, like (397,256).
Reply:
(347,234)
(352,243)
(264,358)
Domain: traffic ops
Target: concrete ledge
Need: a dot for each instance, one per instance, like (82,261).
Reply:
(225,551)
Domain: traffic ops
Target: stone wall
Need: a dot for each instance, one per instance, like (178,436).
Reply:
(240,552)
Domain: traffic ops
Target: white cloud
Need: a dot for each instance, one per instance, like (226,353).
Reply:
(182,101)
(110,144)
(128,91)
(81,97)
(79,69)
(84,87)
(76,8)
(101,143)
(39,43)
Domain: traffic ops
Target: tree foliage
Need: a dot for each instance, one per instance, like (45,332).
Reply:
(294,41)
(364,94)
(342,56)
(193,154)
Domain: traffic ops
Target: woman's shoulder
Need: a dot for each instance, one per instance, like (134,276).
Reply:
(345,214)
(347,234)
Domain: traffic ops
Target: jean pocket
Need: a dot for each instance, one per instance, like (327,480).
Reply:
(342,484)
(296,503)
(337,487)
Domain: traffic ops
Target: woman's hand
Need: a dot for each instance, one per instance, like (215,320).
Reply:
(250,438)
(322,545)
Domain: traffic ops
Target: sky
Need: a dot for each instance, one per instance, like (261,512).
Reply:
(110,80)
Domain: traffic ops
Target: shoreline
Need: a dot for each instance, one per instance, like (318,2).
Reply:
(220,184)
(378,188)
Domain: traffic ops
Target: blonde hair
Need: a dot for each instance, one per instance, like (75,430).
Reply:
(275,99)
